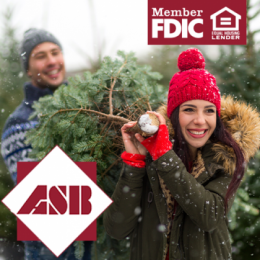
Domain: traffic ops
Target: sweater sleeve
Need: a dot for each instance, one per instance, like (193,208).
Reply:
(121,216)
(13,148)
(204,205)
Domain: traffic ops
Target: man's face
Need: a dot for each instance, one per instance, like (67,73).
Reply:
(46,66)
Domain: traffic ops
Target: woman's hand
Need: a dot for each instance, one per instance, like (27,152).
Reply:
(161,119)
(132,141)
(158,144)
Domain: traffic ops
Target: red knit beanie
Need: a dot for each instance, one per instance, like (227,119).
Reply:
(192,82)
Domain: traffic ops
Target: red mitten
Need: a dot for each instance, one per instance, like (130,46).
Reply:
(158,144)
(135,160)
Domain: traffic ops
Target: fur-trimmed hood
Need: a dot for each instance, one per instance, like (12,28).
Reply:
(242,121)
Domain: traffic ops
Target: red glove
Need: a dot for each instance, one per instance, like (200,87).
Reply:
(135,160)
(158,144)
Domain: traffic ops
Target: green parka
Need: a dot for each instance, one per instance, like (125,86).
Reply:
(199,229)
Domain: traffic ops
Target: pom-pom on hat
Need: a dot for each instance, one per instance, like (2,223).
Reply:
(192,82)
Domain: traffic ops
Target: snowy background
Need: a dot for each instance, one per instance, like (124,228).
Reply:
(84,26)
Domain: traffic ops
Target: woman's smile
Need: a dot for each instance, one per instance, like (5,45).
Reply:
(197,133)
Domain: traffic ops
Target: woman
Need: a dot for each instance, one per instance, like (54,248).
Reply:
(176,187)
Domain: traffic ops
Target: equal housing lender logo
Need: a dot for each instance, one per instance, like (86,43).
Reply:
(56,201)
(221,22)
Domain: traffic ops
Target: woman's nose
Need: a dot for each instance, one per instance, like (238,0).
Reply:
(199,119)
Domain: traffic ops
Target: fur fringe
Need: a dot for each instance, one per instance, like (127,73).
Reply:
(242,121)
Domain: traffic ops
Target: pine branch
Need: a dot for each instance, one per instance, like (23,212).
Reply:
(111,88)
(107,117)
(149,106)
(110,167)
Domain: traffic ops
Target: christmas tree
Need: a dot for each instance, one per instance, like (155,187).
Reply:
(84,119)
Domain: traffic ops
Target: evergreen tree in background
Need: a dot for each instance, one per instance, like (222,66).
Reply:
(238,66)
(11,95)
(238,73)
(164,60)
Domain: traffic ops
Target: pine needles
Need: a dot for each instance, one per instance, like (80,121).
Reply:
(85,118)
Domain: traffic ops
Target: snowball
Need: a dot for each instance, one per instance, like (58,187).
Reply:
(145,124)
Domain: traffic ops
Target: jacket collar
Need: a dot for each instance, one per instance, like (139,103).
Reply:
(33,93)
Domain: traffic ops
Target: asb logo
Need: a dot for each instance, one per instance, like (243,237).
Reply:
(56,201)
(196,22)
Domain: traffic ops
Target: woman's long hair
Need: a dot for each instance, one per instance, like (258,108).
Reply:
(220,134)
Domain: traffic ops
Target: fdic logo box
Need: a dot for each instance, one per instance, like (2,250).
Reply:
(187,22)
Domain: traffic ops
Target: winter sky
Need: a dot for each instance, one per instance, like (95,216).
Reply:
(83,26)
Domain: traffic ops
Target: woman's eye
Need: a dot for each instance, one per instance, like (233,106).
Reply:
(210,111)
(188,109)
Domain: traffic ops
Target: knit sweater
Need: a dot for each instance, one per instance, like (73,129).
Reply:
(13,148)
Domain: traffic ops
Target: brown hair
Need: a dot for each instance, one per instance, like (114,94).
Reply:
(220,134)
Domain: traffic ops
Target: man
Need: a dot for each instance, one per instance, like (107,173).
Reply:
(42,60)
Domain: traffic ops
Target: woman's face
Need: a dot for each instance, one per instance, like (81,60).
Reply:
(198,121)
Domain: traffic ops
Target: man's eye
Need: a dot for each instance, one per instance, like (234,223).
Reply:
(40,57)
(55,53)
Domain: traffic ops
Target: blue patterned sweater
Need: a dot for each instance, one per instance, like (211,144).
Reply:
(13,148)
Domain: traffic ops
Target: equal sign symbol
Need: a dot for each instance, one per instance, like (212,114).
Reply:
(225,19)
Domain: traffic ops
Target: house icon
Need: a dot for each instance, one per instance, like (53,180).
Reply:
(225,20)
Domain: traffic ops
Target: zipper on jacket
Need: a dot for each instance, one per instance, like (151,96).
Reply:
(150,198)
(180,248)
(180,242)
